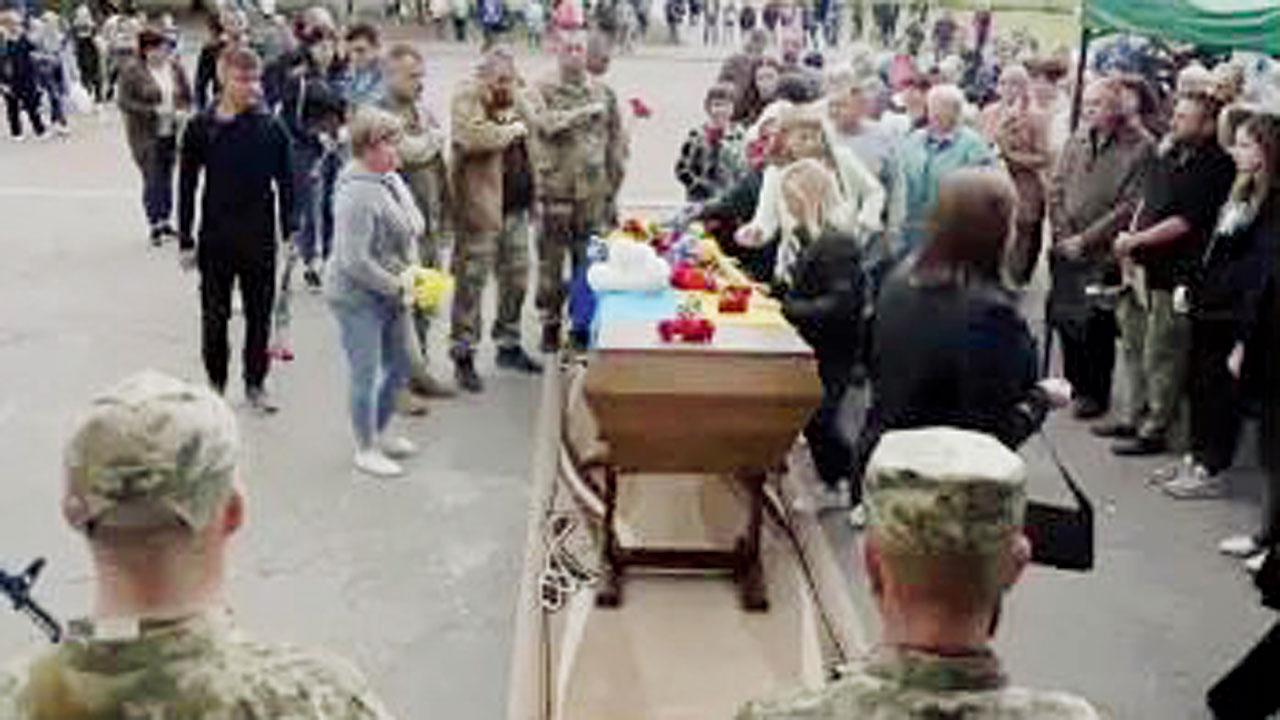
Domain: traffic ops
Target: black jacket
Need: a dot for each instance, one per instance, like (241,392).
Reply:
(953,355)
(826,298)
(312,102)
(246,166)
(1234,271)
(1191,182)
(17,66)
(207,86)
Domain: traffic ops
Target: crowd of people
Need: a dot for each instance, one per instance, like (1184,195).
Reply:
(1160,245)
(897,201)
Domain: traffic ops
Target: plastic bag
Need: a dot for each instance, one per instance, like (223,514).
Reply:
(78,99)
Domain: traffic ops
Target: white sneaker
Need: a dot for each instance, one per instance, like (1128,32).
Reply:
(1241,546)
(374,463)
(398,447)
(1254,563)
(1170,471)
(1199,485)
(858,516)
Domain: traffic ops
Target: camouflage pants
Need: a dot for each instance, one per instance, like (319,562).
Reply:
(566,228)
(429,245)
(504,254)
(1156,342)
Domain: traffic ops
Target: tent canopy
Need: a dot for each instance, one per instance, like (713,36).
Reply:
(1218,24)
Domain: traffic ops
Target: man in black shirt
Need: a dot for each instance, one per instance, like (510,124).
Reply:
(1187,184)
(242,152)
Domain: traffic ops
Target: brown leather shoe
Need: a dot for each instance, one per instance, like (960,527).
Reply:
(431,388)
(410,404)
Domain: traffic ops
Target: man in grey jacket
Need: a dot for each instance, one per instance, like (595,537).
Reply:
(1093,195)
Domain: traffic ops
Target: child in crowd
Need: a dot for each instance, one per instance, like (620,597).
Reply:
(712,157)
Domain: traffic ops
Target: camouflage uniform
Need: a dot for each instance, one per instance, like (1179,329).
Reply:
(492,238)
(198,667)
(423,167)
(151,451)
(934,492)
(578,158)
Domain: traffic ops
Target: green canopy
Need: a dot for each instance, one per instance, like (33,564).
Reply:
(1218,24)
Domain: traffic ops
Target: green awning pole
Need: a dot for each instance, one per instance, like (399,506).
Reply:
(1077,96)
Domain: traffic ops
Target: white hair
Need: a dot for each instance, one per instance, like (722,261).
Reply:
(946,93)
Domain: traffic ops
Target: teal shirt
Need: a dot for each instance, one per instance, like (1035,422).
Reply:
(925,161)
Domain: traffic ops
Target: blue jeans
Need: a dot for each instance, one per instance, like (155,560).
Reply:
(374,337)
(315,172)
(157,182)
(51,81)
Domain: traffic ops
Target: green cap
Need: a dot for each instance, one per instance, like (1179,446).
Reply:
(149,450)
(943,490)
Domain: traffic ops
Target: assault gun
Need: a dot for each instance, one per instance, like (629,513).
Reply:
(18,589)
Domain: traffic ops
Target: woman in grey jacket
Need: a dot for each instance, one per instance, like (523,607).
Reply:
(369,286)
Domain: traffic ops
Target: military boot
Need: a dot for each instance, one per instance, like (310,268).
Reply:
(464,369)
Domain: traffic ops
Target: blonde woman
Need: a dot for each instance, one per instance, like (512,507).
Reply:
(376,226)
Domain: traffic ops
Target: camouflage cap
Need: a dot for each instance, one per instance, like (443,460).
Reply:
(943,490)
(149,450)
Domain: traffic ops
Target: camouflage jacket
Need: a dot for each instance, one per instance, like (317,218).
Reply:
(902,684)
(422,160)
(481,137)
(579,155)
(198,668)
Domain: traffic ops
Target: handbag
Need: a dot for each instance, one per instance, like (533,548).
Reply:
(1061,537)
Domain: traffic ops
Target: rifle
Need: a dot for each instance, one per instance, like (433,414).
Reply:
(18,589)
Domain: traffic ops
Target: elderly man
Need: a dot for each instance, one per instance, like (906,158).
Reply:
(1187,184)
(422,165)
(1093,193)
(932,153)
(152,483)
(944,546)
(578,152)
(492,172)
(849,101)
(1020,133)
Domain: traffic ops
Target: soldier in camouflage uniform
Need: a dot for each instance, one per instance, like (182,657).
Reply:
(945,511)
(578,154)
(151,481)
(422,165)
(495,189)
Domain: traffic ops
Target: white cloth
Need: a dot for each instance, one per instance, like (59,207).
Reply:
(165,111)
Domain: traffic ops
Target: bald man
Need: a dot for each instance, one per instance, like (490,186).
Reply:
(1092,195)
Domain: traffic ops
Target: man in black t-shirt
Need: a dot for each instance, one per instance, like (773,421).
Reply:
(1183,191)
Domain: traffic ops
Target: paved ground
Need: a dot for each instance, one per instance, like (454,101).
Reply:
(415,578)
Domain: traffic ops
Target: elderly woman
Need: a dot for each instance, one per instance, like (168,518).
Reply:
(368,288)
(950,346)
(154,99)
